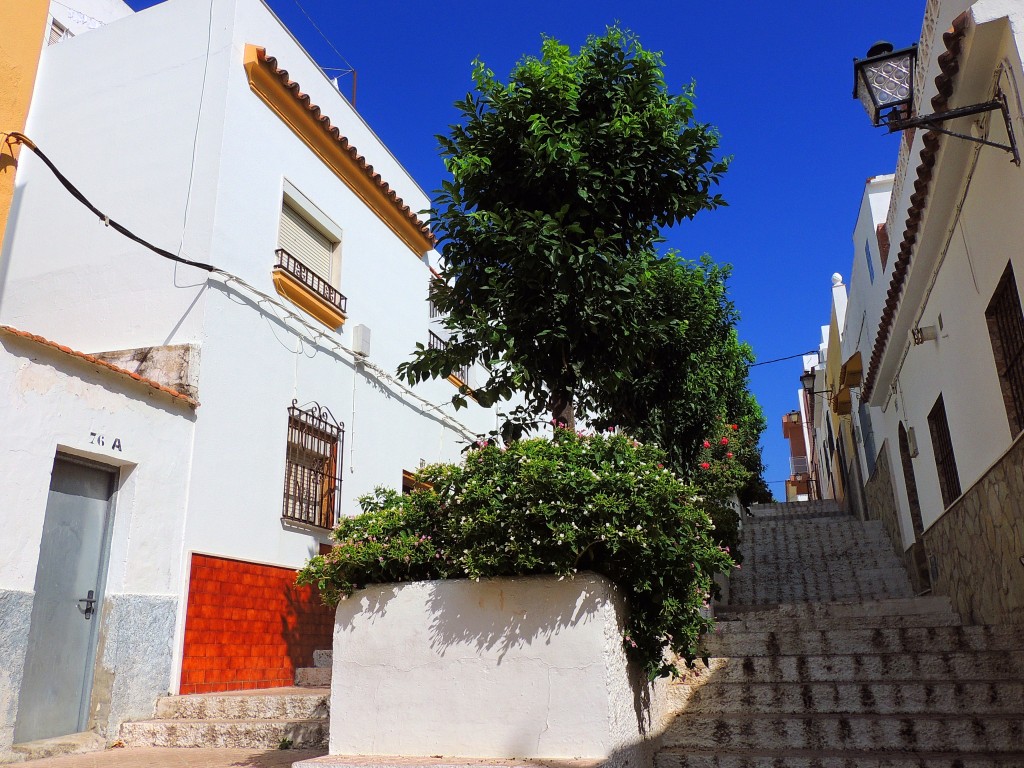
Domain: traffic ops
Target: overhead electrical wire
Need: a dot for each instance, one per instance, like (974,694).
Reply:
(20,138)
(316,335)
(780,359)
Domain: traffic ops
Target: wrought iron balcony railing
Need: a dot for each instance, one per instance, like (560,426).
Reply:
(436,342)
(311,280)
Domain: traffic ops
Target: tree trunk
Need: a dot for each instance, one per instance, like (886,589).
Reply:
(562,410)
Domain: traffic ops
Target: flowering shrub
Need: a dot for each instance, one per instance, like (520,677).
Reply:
(600,503)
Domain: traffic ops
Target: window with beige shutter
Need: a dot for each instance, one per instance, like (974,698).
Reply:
(306,271)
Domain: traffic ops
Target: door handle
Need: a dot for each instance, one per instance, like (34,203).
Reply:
(90,604)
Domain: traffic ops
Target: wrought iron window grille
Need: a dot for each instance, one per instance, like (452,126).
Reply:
(312,482)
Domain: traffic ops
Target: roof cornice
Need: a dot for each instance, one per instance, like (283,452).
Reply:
(949,66)
(288,102)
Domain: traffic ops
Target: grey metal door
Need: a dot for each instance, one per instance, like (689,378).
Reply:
(55,688)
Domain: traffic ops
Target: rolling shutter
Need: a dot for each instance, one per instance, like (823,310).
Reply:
(306,243)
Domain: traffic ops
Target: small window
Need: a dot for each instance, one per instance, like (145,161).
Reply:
(1006,330)
(945,461)
(312,478)
(57,33)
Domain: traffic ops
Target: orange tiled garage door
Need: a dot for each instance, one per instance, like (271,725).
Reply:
(248,626)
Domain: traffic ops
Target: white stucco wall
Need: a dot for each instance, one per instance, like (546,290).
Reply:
(81,16)
(153,118)
(55,403)
(526,667)
(867,292)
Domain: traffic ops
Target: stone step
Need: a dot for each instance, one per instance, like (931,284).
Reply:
(689,758)
(766,552)
(804,623)
(323,658)
(313,677)
(841,609)
(762,552)
(265,704)
(811,526)
(875,733)
(249,734)
(746,592)
(881,698)
(959,639)
(866,579)
(820,578)
(861,668)
(858,560)
(758,516)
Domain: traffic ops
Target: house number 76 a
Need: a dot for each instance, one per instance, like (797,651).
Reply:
(101,440)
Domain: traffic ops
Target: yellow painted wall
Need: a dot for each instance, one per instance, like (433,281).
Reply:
(21,41)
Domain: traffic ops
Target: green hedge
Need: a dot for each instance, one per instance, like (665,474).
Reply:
(600,503)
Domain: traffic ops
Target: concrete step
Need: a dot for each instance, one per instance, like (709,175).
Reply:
(841,609)
(313,677)
(804,623)
(872,733)
(959,639)
(863,668)
(249,734)
(265,704)
(880,698)
(688,758)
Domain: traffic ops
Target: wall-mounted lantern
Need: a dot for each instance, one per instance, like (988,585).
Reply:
(884,84)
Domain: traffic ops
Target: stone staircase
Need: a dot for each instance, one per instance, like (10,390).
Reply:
(271,718)
(823,658)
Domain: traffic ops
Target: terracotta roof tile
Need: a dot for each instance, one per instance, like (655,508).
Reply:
(949,65)
(101,363)
(325,123)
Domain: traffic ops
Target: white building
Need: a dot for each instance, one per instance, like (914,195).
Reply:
(941,343)
(235,413)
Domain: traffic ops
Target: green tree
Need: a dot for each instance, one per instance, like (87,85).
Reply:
(696,368)
(562,179)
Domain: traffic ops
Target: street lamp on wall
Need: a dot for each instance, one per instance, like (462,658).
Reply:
(807,381)
(883,81)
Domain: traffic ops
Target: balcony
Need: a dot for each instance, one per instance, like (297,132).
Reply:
(798,466)
(305,288)
(458,377)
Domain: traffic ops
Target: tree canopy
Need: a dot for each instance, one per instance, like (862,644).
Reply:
(562,179)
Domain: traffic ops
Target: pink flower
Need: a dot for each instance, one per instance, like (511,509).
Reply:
(661,466)
(725,441)
(738,565)
(707,444)
(734,427)
(728,455)
(705,465)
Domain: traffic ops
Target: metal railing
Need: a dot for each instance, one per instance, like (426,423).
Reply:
(311,280)
(436,342)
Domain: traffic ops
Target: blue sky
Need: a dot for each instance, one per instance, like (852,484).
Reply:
(776,79)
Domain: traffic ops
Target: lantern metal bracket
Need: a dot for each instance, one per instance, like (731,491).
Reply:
(931,122)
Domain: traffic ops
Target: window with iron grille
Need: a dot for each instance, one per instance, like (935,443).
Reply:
(945,461)
(1006,330)
(312,478)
